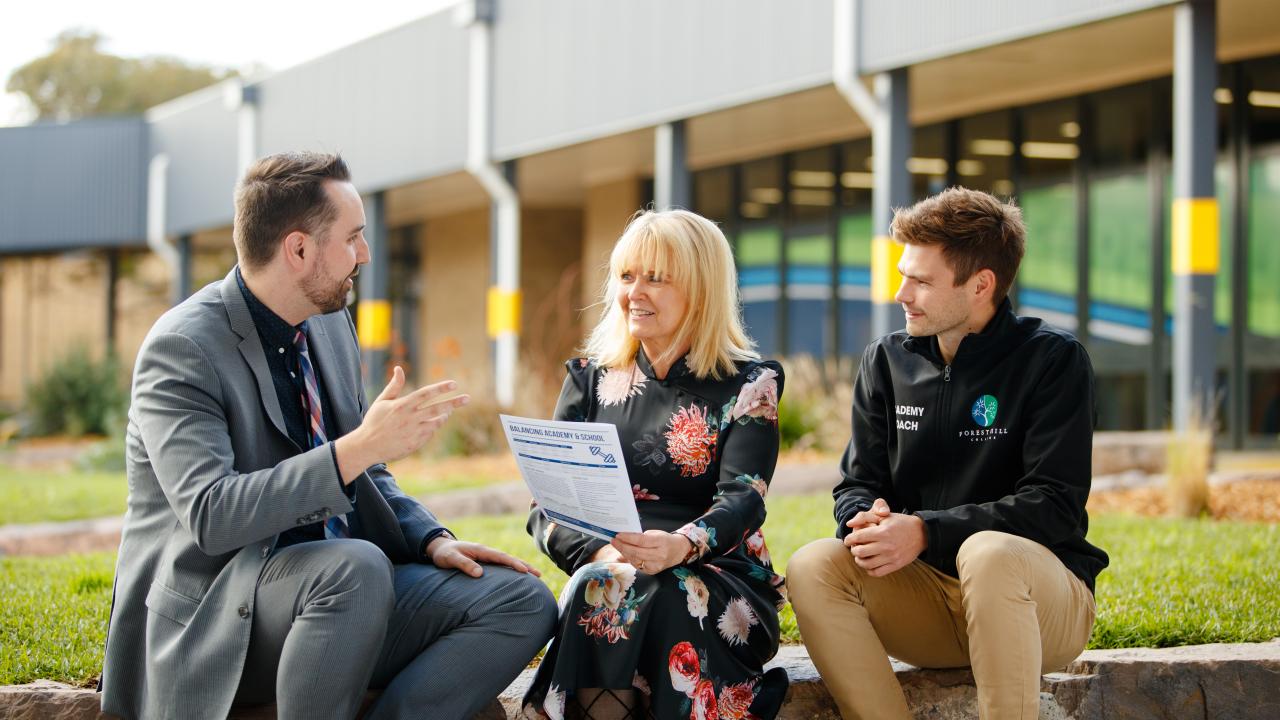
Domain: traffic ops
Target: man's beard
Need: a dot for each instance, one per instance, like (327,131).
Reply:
(325,297)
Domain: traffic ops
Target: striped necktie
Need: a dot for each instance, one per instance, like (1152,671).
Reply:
(336,525)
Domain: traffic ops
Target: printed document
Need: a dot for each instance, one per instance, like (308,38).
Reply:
(575,472)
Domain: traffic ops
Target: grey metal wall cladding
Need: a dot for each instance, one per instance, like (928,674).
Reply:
(394,105)
(571,70)
(199,134)
(896,33)
(74,185)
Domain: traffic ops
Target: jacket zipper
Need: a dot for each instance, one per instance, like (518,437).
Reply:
(944,416)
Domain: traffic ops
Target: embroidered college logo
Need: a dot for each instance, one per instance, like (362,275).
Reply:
(984,410)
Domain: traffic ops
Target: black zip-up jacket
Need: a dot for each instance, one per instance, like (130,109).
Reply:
(1000,439)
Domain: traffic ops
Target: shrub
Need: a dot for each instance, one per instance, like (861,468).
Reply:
(813,413)
(473,429)
(108,455)
(1190,460)
(77,396)
(795,423)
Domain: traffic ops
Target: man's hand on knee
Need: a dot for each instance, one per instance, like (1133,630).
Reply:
(883,542)
(447,552)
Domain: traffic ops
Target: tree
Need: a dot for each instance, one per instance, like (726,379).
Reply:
(77,79)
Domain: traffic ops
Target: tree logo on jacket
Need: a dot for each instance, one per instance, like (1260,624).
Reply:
(984,410)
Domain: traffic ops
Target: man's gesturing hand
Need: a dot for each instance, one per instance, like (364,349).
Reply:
(883,542)
(395,425)
(447,552)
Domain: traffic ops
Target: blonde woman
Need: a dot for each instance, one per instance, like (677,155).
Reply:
(677,620)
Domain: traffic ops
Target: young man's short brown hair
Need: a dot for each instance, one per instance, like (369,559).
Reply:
(280,194)
(974,229)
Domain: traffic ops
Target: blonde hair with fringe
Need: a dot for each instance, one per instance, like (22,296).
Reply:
(691,252)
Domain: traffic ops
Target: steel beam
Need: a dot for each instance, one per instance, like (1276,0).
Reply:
(1195,212)
(671,181)
(890,149)
(373,312)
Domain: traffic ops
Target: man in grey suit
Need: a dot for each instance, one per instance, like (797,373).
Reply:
(267,553)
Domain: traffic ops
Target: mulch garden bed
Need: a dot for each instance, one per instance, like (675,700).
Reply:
(1245,500)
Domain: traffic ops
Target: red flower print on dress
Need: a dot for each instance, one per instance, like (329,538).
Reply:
(704,702)
(756,547)
(640,493)
(684,668)
(690,441)
(735,700)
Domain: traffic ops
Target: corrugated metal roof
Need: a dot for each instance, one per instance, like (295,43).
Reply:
(80,184)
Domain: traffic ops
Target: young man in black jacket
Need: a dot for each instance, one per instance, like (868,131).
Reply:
(960,515)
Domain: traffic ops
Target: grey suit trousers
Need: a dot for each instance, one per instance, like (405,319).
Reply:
(335,617)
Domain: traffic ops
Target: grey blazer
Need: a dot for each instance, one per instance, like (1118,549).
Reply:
(213,480)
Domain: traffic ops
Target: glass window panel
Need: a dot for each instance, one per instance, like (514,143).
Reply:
(1120,272)
(1047,280)
(404,285)
(985,153)
(853,251)
(1262,340)
(928,162)
(713,194)
(1122,124)
(759,252)
(1264,251)
(1263,83)
(1120,296)
(854,256)
(1120,247)
(1049,265)
(812,181)
(1049,142)
(811,199)
(856,179)
(808,295)
(761,192)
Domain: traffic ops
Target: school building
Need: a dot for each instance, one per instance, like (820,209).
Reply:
(502,145)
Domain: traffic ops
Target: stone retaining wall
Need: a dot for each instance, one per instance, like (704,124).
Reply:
(1232,682)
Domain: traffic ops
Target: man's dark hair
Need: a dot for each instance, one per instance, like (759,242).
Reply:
(280,194)
(974,229)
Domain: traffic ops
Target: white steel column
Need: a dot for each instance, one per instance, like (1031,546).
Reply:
(504,225)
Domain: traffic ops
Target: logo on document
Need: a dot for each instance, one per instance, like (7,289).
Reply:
(600,453)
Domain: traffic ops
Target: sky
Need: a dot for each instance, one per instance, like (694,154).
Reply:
(226,34)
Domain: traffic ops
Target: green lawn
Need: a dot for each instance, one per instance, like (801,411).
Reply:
(1171,582)
(53,619)
(30,496)
(419,485)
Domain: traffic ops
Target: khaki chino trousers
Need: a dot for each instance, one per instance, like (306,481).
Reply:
(1015,612)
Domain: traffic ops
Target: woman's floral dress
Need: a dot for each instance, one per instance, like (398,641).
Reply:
(692,639)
